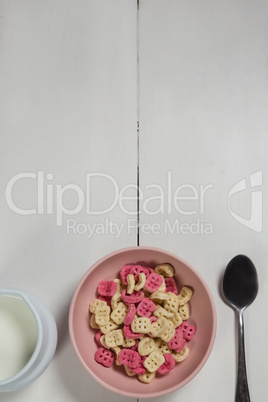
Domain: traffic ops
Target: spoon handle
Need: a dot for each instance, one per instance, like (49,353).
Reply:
(242,392)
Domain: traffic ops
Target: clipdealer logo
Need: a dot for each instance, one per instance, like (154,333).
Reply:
(183,206)
(254,222)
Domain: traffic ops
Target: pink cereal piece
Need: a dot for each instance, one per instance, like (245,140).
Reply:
(150,269)
(145,307)
(168,365)
(129,358)
(130,314)
(145,270)
(134,270)
(104,357)
(130,334)
(135,297)
(140,369)
(188,330)
(171,285)
(177,342)
(107,288)
(97,338)
(184,326)
(153,282)
(181,347)
(106,298)
(125,271)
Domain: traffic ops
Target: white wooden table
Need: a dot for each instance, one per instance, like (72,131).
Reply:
(75,78)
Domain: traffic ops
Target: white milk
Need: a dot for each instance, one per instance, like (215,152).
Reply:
(18,335)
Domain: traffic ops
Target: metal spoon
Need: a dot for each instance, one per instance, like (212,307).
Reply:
(240,287)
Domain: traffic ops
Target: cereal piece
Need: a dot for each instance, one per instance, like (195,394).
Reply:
(162,346)
(130,314)
(154,361)
(146,307)
(184,311)
(169,332)
(132,269)
(177,320)
(146,346)
(96,303)
(188,330)
(108,327)
(116,351)
(153,282)
(102,315)
(168,365)
(137,269)
(98,335)
(159,297)
(147,377)
(107,288)
(185,295)
(93,323)
(141,281)
(136,297)
(130,284)
(172,302)
(162,312)
(119,285)
(141,325)
(118,315)
(140,369)
(162,287)
(177,342)
(128,343)
(103,343)
(130,334)
(145,270)
(104,357)
(180,356)
(159,327)
(125,271)
(128,371)
(166,270)
(115,300)
(107,299)
(171,285)
(129,358)
(114,338)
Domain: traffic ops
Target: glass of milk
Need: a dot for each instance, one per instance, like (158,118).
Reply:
(28,338)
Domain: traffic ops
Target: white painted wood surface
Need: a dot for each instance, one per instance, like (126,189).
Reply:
(68,106)
(204,119)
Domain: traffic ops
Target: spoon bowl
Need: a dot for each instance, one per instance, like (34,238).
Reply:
(240,282)
(240,288)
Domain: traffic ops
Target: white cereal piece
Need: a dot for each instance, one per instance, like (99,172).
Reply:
(96,303)
(154,361)
(141,282)
(130,284)
(185,295)
(146,346)
(167,270)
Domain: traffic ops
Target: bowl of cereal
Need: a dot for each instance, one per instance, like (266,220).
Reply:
(142,322)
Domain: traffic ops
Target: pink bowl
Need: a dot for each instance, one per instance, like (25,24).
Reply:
(203,315)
